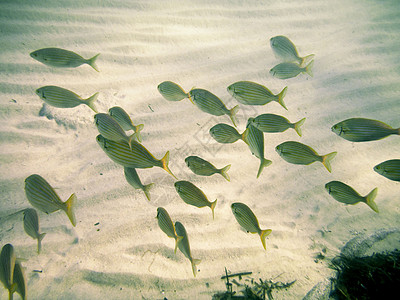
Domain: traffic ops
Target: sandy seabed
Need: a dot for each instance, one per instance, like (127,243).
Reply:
(117,250)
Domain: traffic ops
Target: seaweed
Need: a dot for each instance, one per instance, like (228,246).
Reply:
(369,277)
(250,289)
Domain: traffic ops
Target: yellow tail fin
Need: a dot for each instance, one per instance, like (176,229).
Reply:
(146,190)
(263,163)
(40,238)
(281,95)
(263,235)
(213,204)
(224,171)
(369,199)
(305,59)
(194,263)
(232,114)
(90,102)
(165,161)
(297,126)
(308,69)
(92,62)
(178,239)
(326,160)
(69,208)
(137,130)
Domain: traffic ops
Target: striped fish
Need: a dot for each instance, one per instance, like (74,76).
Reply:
(211,104)
(133,179)
(7,265)
(185,247)
(251,93)
(42,196)
(247,219)
(254,138)
(363,130)
(300,154)
(63,98)
(171,91)
(192,195)
(166,225)
(225,134)
(202,167)
(290,70)
(343,193)
(389,169)
(275,123)
(20,281)
(284,49)
(31,226)
(123,119)
(61,58)
(136,157)
(110,129)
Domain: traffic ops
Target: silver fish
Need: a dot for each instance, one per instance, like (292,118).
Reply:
(202,167)
(7,265)
(61,58)
(251,93)
(363,130)
(31,226)
(300,154)
(290,70)
(133,179)
(246,218)
(389,169)
(20,281)
(192,195)
(171,91)
(135,157)
(63,98)
(185,247)
(123,119)
(275,123)
(343,193)
(166,225)
(211,104)
(43,197)
(225,134)
(286,50)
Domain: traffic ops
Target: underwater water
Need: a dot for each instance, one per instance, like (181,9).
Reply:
(117,249)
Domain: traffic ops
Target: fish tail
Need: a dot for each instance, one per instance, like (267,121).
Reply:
(137,130)
(264,163)
(297,126)
(165,161)
(369,199)
(213,204)
(305,59)
(146,190)
(263,235)
(190,98)
(194,263)
(132,139)
(90,102)
(309,69)
(40,238)
(281,95)
(326,160)
(178,239)
(69,209)
(244,135)
(224,171)
(92,62)
(11,291)
(232,114)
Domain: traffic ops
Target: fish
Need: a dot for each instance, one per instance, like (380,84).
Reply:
(285,49)
(389,169)
(43,197)
(254,138)
(133,179)
(225,134)
(300,154)
(192,195)
(251,93)
(247,219)
(20,280)
(276,123)
(211,104)
(290,70)
(343,193)
(63,98)
(184,246)
(7,267)
(171,91)
(31,226)
(123,119)
(166,225)
(110,129)
(363,130)
(136,156)
(61,58)
(202,167)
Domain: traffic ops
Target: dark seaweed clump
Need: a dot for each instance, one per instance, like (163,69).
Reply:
(371,277)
